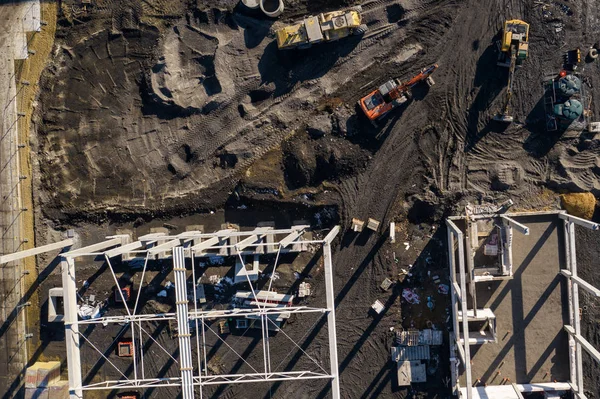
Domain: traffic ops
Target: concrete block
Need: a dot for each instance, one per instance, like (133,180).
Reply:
(55,305)
(230,241)
(47,373)
(373,224)
(378,307)
(31,375)
(386,284)
(164,231)
(125,241)
(58,390)
(357,225)
(37,393)
(194,227)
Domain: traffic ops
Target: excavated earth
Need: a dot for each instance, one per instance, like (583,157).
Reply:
(165,109)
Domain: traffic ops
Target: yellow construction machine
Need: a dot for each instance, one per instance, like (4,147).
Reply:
(325,27)
(514,48)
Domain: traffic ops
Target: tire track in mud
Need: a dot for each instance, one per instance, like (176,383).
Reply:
(397,147)
(209,133)
(462,92)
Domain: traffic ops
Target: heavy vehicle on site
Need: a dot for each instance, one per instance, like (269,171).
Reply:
(325,27)
(514,49)
(393,93)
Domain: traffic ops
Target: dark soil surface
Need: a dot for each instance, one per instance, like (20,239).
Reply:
(157,112)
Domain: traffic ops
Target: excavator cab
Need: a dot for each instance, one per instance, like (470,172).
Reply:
(515,38)
(392,94)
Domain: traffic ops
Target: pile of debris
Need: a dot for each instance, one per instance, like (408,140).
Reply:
(412,354)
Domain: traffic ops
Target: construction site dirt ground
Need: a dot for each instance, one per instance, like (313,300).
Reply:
(174,113)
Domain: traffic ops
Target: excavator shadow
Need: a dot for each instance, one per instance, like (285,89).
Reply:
(490,81)
(283,69)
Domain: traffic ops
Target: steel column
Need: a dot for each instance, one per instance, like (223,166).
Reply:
(71,327)
(575,292)
(333,355)
(464,309)
(183,327)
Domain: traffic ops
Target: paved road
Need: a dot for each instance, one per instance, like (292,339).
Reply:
(18,17)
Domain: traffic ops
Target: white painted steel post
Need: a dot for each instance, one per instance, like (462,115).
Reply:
(183,326)
(572,360)
(464,309)
(575,292)
(333,355)
(71,327)
(453,296)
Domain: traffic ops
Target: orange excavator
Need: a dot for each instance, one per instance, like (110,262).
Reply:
(392,94)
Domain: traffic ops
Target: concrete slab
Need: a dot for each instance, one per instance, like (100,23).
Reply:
(530,311)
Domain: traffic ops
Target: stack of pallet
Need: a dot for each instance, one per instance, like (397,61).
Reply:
(42,381)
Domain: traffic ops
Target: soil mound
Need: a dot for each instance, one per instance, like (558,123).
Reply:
(579,204)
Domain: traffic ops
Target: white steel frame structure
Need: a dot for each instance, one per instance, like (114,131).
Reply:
(460,342)
(191,245)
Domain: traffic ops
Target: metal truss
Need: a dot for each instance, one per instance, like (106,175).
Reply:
(193,245)
(209,380)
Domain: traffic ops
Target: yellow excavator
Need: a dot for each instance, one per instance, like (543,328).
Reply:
(514,48)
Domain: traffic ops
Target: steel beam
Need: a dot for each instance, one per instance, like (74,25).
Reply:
(329,291)
(101,246)
(461,352)
(209,380)
(454,289)
(36,251)
(257,235)
(521,228)
(589,348)
(331,235)
(582,283)
(71,327)
(453,227)
(211,314)
(290,238)
(183,326)
(572,343)
(575,298)
(167,246)
(517,391)
(579,221)
(124,249)
(206,244)
(151,237)
(464,308)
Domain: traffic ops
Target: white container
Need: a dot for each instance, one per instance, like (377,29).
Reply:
(272,8)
